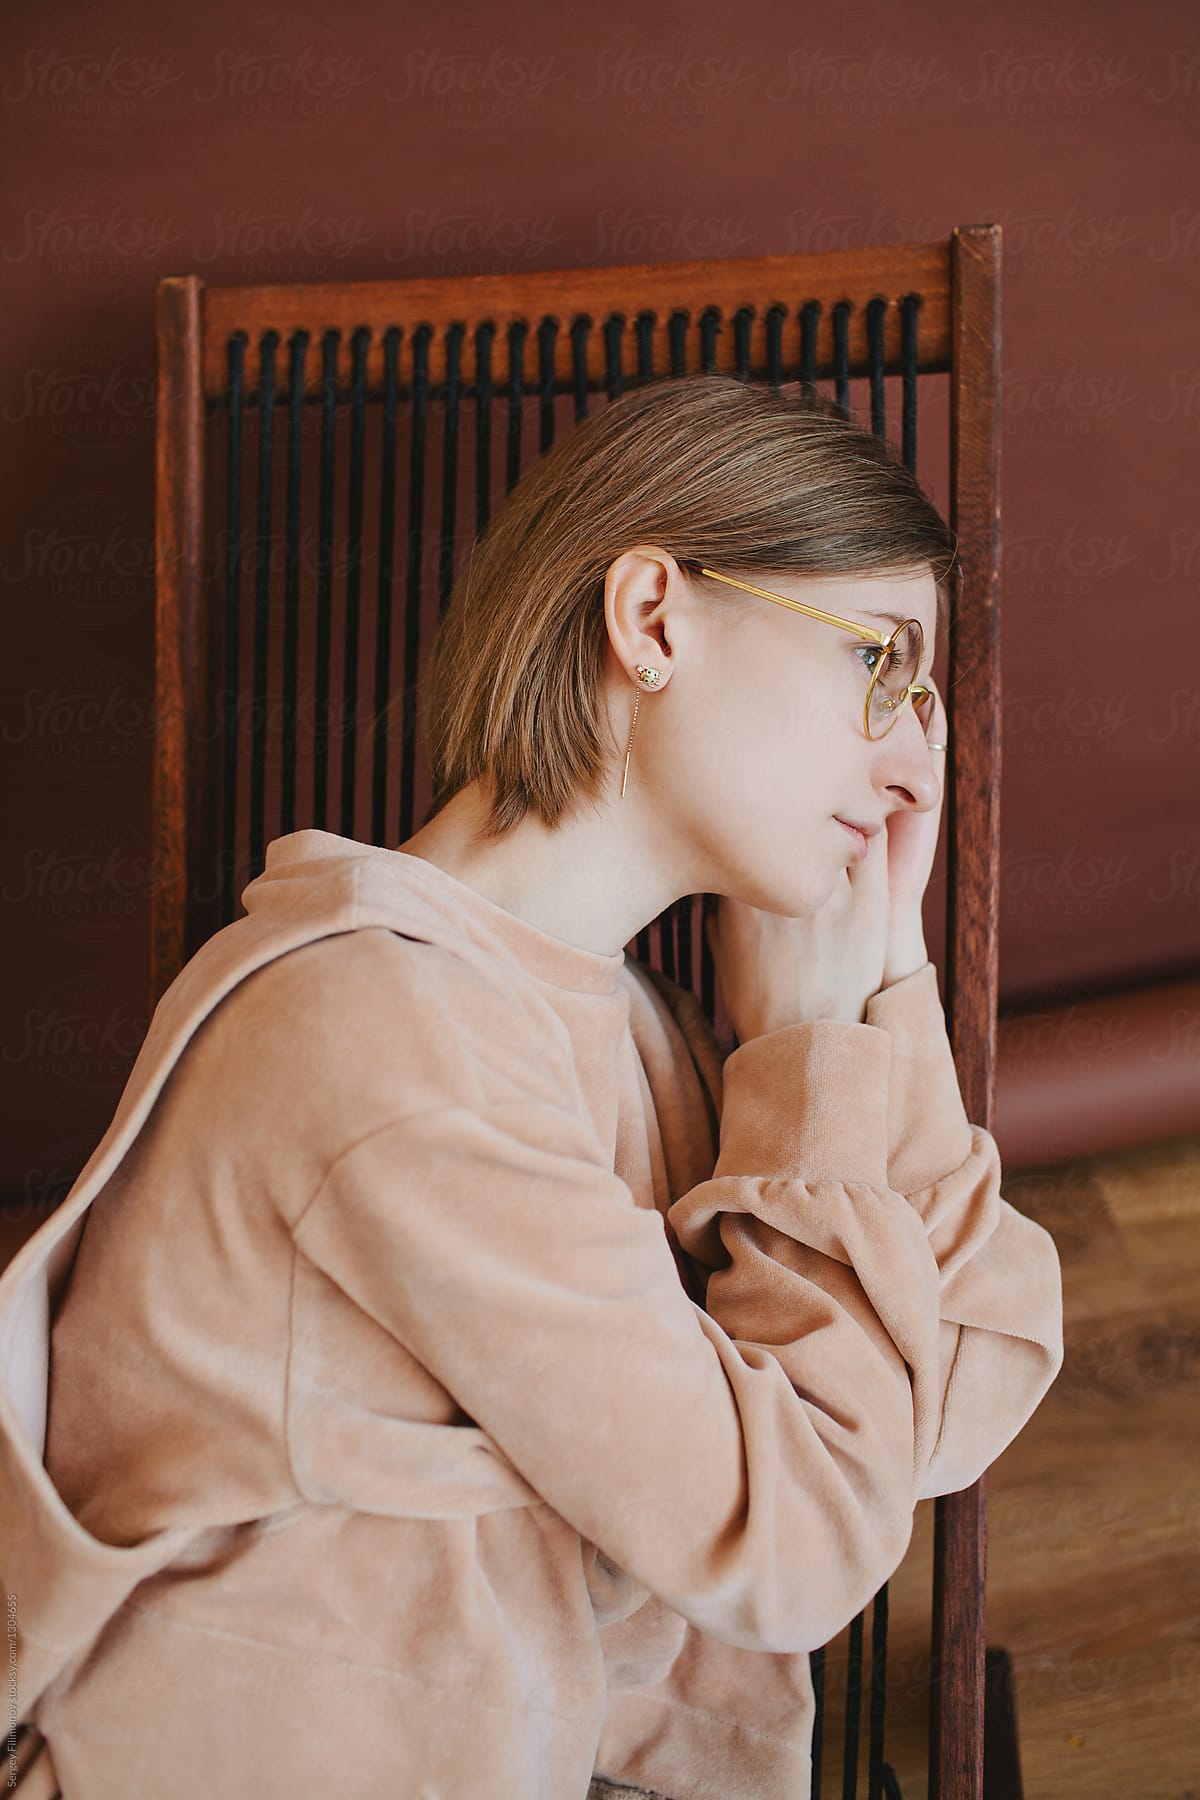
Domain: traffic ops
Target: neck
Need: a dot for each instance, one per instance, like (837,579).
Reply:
(594,880)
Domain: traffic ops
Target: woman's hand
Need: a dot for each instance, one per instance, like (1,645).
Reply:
(911,844)
(776,970)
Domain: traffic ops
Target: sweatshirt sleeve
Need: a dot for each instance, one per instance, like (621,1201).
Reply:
(1000,1278)
(754,1464)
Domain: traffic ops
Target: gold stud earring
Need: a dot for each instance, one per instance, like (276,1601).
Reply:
(650,678)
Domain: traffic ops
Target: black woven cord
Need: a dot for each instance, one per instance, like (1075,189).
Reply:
(816,1670)
(841,354)
(297,351)
(853,1708)
(643,331)
(359,340)
(384,591)
(412,595)
(580,326)
(484,338)
(743,321)
(879,1628)
(776,314)
(516,352)
(677,329)
(236,353)
(614,373)
(810,317)
(267,346)
(666,941)
(909,307)
(687,915)
(454,342)
(329,349)
(876,308)
(547,339)
(708,979)
(710,326)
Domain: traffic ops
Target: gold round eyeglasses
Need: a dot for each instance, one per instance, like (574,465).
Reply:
(897,656)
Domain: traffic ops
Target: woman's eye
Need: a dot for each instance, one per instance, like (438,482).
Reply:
(871,655)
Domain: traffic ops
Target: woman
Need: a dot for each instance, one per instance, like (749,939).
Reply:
(466,1382)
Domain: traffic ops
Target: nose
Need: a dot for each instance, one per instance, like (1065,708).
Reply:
(906,772)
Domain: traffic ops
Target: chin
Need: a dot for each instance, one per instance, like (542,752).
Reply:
(795,895)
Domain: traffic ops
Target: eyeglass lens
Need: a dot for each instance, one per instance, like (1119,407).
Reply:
(895,675)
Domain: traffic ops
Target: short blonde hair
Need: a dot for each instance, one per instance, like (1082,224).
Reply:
(755,481)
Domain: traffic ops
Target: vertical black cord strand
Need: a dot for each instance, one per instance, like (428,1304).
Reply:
(516,353)
(643,332)
(810,318)
(879,1626)
(853,1708)
(677,326)
(841,355)
(455,334)
(708,974)
(547,339)
(710,327)
(484,337)
(329,350)
(816,1669)
(412,595)
(876,309)
(297,351)
(385,588)
(581,325)
(666,940)
(909,307)
(614,373)
(776,314)
(236,351)
(267,346)
(358,395)
(743,321)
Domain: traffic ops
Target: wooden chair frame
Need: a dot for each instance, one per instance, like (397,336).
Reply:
(958,332)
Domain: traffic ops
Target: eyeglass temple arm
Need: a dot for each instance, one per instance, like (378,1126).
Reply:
(811,612)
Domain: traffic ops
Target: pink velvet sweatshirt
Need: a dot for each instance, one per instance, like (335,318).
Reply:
(449,1377)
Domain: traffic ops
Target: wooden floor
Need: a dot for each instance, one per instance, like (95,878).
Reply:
(1093,1512)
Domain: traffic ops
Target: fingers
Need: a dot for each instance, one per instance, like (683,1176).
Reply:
(936,728)
(869,878)
(935,715)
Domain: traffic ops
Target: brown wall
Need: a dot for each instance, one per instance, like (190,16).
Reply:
(252,143)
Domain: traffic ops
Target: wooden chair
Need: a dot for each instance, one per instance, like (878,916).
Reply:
(296,423)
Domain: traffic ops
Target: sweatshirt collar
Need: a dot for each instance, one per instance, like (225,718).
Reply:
(540,953)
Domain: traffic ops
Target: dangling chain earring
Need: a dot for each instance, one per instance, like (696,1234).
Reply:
(650,678)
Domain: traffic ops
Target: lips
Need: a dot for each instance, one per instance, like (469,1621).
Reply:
(860,835)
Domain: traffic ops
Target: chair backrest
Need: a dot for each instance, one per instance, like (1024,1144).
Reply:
(296,427)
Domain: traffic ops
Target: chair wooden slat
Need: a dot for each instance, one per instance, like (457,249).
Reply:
(660,288)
